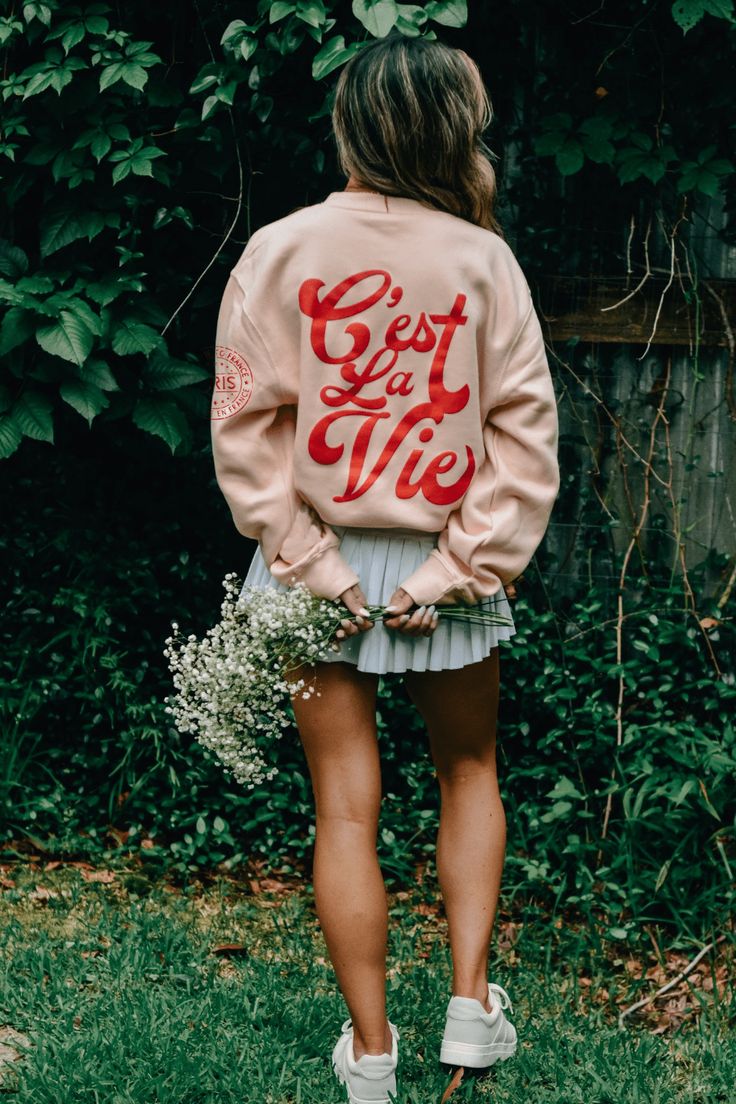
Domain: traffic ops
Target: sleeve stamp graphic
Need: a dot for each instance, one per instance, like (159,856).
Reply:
(233,383)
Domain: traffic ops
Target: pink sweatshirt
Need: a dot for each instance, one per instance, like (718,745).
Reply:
(380,363)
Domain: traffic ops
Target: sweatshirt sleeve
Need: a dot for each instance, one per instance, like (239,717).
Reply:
(252,448)
(493,534)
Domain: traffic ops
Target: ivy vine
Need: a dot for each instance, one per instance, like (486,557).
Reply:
(113,125)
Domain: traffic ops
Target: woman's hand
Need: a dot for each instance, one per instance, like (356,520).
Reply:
(422,622)
(354,599)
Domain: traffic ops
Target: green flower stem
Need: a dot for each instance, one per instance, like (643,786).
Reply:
(470,614)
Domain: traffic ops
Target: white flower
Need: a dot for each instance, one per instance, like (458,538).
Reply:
(232,691)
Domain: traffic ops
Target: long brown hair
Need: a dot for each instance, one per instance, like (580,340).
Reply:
(408,119)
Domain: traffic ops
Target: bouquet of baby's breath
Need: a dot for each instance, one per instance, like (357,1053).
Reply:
(234,686)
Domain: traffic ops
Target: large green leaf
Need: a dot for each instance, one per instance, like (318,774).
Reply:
(411,19)
(127,71)
(377,16)
(167,375)
(69,338)
(279,10)
(85,398)
(99,373)
(549,142)
(333,54)
(9,293)
(33,413)
(61,302)
(36,285)
(67,222)
(598,148)
(450,13)
(107,288)
(16,327)
(570,157)
(13,261)
(311,12)
(133,336)
(10,435)
(686,13)
(161,417)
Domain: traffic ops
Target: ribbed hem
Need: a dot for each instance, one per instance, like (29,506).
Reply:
(327,576)
(433,579)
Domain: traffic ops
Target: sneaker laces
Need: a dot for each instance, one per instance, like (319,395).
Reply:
(503,998)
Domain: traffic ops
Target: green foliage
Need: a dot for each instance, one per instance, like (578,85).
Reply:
(105,145)
(79,328)
(665,762)
(687,13)
(139,148)
(84,101)
(631,153)
(86,746)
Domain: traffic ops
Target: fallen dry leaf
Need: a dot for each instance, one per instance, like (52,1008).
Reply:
(508,934)
(454,1084)
(426,909)
(229,948)
(41,893)
(273,885)
(105,876)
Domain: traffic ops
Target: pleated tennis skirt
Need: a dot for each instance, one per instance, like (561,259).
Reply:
(382,558)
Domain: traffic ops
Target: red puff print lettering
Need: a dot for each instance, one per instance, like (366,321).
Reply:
(430,333)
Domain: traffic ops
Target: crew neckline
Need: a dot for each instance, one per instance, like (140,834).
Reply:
(375,201)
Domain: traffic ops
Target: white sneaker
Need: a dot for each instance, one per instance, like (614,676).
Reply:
(476,1038)
(373,1076)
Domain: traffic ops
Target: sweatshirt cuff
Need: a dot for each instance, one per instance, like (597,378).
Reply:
(327,575)
(434,578)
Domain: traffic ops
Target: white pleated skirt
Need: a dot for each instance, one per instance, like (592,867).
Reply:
(382,558)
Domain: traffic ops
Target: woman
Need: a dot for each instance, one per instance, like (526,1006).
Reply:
(393,439)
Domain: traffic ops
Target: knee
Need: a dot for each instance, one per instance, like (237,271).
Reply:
(461,770)
(348,811)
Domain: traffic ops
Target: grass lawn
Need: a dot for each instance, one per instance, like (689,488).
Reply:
(117,989)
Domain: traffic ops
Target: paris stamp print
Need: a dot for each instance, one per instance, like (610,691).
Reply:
(233,383)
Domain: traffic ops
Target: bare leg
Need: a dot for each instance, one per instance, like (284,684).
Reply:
(460,710)
(338,733)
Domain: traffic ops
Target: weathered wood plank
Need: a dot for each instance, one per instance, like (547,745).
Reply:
(574,306)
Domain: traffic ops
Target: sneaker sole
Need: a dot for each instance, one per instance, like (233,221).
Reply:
(353,1099)
(475,1055)
(362,1100)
